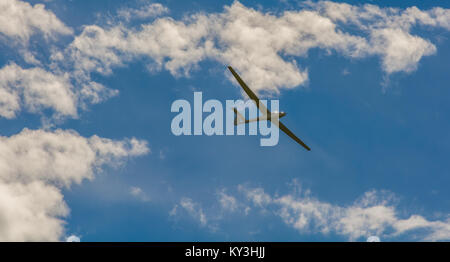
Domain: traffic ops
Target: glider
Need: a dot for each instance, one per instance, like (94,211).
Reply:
(267,115)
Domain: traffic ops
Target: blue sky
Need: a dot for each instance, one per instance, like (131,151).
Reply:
(376,121)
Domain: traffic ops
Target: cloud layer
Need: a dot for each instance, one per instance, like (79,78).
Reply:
(266,48)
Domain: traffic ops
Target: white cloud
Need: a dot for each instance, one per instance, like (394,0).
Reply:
(373,214)
(250,40)
(376,213)
(168,42)
(31,211)
(36,89)
(35,164)
(400,50)
(262,46)
(20,20)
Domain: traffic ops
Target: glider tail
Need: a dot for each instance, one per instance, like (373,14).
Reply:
(238,118)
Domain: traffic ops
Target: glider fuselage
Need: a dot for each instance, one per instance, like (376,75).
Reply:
(273,115)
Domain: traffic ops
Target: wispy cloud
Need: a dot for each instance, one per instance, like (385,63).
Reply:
(375,213)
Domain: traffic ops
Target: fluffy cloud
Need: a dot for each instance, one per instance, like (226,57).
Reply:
(31,212)
(262,46)
(170,43)
(250,40)
(400,50)
(36,164)
(36,89)
(19,20)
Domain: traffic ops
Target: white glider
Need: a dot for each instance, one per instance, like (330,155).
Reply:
(267,115)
